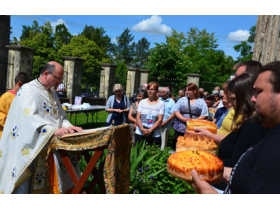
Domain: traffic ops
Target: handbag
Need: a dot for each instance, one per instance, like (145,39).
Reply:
(190,111)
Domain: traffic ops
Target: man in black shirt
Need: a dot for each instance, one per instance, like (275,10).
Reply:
(257,170)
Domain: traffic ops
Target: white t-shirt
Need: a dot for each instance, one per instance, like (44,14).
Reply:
(149,115)
(220,105)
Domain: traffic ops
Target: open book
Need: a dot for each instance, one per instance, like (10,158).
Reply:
(84,132)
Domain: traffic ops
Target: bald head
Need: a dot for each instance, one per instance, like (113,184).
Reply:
(51,74)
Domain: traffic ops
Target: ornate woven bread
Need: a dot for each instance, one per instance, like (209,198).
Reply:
(191,141)
(191,124)
(208,166)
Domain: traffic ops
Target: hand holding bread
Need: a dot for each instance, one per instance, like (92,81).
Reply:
(208,166)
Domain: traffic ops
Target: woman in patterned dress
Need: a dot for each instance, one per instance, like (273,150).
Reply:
(198,109)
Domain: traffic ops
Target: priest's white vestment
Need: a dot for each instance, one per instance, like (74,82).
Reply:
(35,114)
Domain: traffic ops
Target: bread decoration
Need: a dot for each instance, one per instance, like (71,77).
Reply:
(191,124)
(208,166)
(192,141)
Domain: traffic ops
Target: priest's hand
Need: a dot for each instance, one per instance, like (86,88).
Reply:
(72,129)
(63,131)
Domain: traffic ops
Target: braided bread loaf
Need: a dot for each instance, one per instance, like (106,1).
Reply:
(208,166)
(191,124)
(192,141)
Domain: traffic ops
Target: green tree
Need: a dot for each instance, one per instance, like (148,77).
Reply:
(39,38)
(13,41)
(86,49)
(141,53)
(30,31)
(98,36)
(176,39)
(125,48)
(61,36)
(201,50)
(121,73)
(245,48)
(166,61)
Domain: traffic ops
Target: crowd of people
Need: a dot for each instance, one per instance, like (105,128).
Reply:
(152,112)
(247,129)
(245,110)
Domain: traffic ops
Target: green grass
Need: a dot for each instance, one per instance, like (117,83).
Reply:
(93,122)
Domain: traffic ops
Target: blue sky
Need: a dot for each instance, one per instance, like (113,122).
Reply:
(228,29)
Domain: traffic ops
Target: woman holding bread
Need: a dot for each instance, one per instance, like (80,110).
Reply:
(245,133)
(188,107)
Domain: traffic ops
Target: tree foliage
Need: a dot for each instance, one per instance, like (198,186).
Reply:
(121,73)
(98,36)
(124,50)
(41,39)
(82,47)
(141,53)
(207,60)
(165,61)
(61,36)
(176,39)
(55,44)
(245,48)
(197,52)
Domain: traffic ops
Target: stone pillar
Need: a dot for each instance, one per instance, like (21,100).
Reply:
(132,81)
(107,80)
(267,39)
(4,40)
(73,69)
(144,76)
(193,78)
(20,59)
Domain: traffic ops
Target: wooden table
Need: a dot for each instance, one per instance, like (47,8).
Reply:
(113,173)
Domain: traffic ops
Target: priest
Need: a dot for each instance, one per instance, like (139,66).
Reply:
(35,116)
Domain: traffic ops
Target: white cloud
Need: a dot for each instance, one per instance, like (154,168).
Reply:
(152,25)
(59,21)
(238,36)
(114,40)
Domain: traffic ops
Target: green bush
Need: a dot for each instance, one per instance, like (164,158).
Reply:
(148,174)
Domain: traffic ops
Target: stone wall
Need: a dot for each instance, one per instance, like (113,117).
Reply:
(267,39)
(73,68)
(4,40)
(20,59)
(107,80)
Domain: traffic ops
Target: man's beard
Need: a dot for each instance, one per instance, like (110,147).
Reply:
(257,118)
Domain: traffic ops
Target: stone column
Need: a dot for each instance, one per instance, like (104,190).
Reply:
(144,76)
(107,80)
(20,59)
(132,81)
(193,78)
(73,69)
(267,39)
(4,40)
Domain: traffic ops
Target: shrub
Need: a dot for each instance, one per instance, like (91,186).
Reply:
(148,174)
